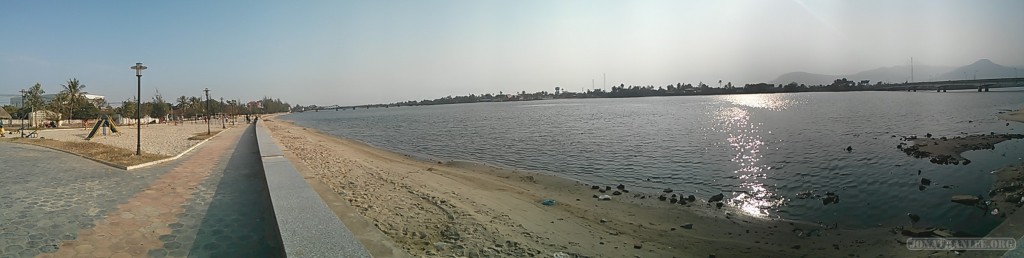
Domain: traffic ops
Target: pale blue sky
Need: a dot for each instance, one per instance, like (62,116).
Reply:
(359,52)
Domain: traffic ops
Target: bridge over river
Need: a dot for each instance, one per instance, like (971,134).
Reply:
(982,85)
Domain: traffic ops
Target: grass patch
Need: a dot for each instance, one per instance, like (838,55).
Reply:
(93,150)
(202,136)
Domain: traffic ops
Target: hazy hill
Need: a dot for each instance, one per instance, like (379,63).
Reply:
(985,68)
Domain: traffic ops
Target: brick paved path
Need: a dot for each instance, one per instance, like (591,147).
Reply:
(211,203)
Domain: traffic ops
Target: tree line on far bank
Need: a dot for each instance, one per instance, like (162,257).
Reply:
(623,91)
(71,103)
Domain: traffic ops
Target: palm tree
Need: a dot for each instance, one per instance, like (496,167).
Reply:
(182,103)
(60,102)
(196,104)
(75,94)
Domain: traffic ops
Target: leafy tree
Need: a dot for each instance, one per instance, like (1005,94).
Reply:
(60,104)
(159,107)
(34,97)
(127,109)
(86,112)
(100,103)
(15,113)
(196,105)
(147,109)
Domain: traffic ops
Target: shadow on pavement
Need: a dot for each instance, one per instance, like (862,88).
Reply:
(231,215)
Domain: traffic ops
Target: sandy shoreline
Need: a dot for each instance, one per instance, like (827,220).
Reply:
(463,209)
(1017,116)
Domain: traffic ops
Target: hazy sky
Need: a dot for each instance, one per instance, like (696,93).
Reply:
(359,52)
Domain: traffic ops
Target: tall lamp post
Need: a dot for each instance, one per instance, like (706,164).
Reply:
(222,117)
(207,91)
(138,108)
(23,94)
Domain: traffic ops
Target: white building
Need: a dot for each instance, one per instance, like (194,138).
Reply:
(16,101)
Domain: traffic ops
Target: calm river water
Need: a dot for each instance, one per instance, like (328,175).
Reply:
(761,150)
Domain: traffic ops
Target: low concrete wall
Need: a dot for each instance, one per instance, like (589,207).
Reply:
(308,227)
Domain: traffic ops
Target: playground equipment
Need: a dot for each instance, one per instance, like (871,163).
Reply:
(103,122)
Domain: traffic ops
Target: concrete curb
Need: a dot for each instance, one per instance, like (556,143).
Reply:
(307,226)
(79,155)
(175,157)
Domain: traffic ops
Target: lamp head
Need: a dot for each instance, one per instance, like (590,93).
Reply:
(138,69)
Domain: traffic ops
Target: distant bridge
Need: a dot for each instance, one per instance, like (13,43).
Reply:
(339,108)
(942,86)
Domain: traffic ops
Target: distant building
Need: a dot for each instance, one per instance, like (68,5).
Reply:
(558,90)
(39,117)
(94,99)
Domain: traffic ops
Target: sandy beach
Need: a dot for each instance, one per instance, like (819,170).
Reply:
(162,139)
(460,209)
(1017,115)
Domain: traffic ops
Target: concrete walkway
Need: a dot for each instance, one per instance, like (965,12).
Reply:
(210,203)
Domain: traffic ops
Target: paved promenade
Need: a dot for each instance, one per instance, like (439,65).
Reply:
(210,203)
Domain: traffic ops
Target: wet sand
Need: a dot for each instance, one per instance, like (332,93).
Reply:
(1017,116)
(431,208)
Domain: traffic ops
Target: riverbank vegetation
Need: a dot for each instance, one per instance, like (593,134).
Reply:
(72,102)
(632,91)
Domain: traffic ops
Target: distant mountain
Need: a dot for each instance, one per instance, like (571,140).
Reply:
(985,68)
(806,78)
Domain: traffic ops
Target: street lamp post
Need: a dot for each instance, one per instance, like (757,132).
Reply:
(207,91)
(23,94)
(222,117)
(138,108)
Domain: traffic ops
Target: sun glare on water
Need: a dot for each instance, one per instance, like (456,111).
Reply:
(744,136)
(773,102)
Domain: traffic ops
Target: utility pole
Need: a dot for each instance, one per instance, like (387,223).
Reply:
(604,82)
(911,69)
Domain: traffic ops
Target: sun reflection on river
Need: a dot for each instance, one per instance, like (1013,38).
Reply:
(774,102)
(744,136)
